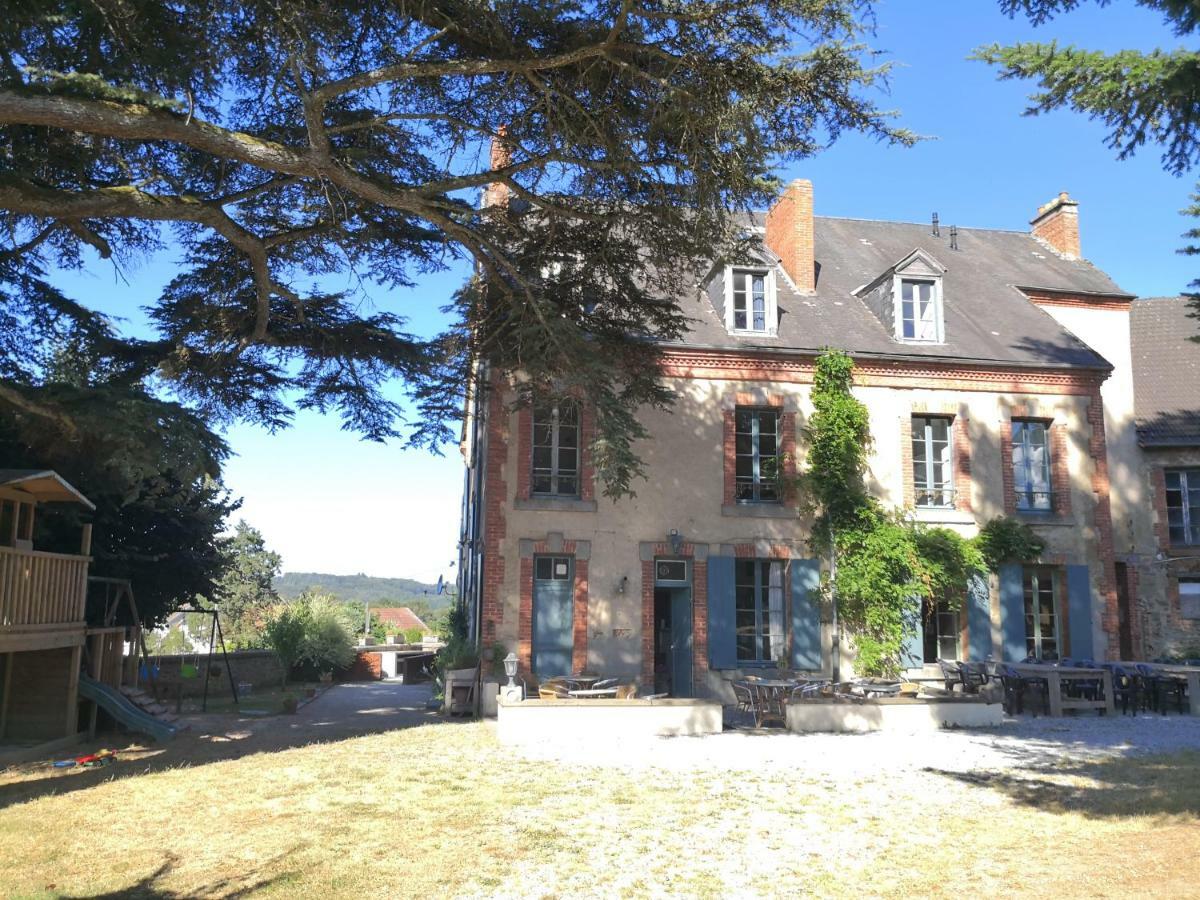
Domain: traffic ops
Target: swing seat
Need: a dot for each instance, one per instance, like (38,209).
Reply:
(187,670)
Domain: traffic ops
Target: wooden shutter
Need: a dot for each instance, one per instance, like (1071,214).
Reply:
(979,618)
(912,651)
(1079,604)
(722,640)
(806,614)
(1012,612)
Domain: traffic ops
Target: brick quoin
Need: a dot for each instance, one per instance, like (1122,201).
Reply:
(1060,470)
(729,456)
(579,619)
(961,436)
(494,521)
(699,626)
(524,452)
(648,626)
(1006,468)
(906,461)
(1098,448)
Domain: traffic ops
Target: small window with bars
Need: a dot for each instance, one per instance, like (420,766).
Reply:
(757,467)
(1183,505)
(1031,465)
(933,480)
(556,441)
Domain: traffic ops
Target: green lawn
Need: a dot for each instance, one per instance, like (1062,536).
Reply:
(440,810)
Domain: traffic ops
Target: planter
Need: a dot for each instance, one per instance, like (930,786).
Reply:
(289,705)
(310,693)
(326,678)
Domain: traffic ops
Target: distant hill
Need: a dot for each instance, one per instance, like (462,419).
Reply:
(363,588)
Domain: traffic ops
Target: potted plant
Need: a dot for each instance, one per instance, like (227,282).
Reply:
(326,677)
(289,705)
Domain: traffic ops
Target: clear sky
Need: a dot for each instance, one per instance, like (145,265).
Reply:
(329,502)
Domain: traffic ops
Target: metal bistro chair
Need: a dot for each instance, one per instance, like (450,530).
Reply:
(951,673)
(807,690)
(974,676)
(1016,686)
(1127,688)
(1159,685)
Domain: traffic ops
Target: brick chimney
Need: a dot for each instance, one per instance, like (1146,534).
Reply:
(790,233)
(1057,223)
(497,193)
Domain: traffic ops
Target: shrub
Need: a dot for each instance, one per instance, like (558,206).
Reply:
(284,633)
(328,641)
(413,635)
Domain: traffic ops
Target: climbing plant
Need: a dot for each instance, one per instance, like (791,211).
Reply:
(883,565)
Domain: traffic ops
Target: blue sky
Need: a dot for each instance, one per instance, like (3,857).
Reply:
(329,502)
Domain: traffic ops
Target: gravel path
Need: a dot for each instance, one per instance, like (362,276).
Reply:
(1019,743)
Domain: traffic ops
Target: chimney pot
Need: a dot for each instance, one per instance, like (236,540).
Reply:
(790,233)
(1057,225)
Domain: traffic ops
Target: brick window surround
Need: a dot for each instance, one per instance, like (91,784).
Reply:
(1060,470)
(960,462)
(787,442)
(587,434)
(699,613)
(580,551)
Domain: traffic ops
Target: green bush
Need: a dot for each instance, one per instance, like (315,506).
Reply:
(284,634)
(312,629)
(413,635)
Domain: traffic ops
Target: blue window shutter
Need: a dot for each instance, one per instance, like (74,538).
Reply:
(1079,605)
(722,640)
(1012,612)
(912,652)
(806,614)
(979,618)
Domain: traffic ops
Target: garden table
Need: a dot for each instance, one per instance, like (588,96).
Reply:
(593,692)
(770,700)
(1055,676)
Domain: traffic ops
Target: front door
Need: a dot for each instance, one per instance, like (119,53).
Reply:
(681,642)
(553,636)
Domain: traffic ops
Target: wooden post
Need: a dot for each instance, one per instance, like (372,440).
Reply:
(85,540)
(1054,687)
(71,724)
(8,676)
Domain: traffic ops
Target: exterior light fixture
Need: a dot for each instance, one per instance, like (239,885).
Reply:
(510,668)
(622,583)
(676,541)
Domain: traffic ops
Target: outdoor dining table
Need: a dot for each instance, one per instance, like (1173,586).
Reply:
(1055,675)
(770,699)
(593,692)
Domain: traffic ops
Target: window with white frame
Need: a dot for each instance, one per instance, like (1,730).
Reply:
(758,613)
(942,628)
(933,481)
(1183,505)
(750,300)
(757,455)
(1041,613)
(1031,465)
(919,310)
(556,449)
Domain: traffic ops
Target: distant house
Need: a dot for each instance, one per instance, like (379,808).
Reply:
(401,619)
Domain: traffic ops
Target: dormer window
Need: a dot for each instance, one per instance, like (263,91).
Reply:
(750,301)
(919,310)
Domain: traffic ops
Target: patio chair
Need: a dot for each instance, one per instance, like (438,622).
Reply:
(553,690)
(951,673)
(1127,688)
(974,676)
(1160,685)
(1017,686)
(742,696)
(806,690)
(606,683)
(627,691)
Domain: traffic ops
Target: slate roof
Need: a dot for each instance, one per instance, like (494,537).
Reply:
(1166,372)
(401,618)
(987,319)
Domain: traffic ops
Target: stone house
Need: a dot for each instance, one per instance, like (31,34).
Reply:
(996,368)
(1166,366)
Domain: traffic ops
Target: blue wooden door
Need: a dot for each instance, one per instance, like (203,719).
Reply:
(553,637)
(681,642)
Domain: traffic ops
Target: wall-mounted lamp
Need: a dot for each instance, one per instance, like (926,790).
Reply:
(676,541)
(622,583)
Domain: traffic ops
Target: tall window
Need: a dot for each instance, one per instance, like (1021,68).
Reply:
(1031,464)
(759,610)
(556,449)
(1183,505)
(942,628)
(750,300)
(1041,613)
(933,483)
(920,315)
(757,463)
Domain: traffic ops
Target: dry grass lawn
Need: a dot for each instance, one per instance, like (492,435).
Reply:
(440,810)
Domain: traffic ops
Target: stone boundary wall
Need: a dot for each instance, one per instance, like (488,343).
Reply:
(259,668)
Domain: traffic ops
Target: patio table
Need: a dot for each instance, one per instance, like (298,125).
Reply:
(770,699)
(593,692)
(1055,676)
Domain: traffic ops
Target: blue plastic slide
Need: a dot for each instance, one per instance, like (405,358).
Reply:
(120,708)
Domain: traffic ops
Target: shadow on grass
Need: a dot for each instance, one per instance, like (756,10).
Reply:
(1167,785)
(150,886)
(346,712)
